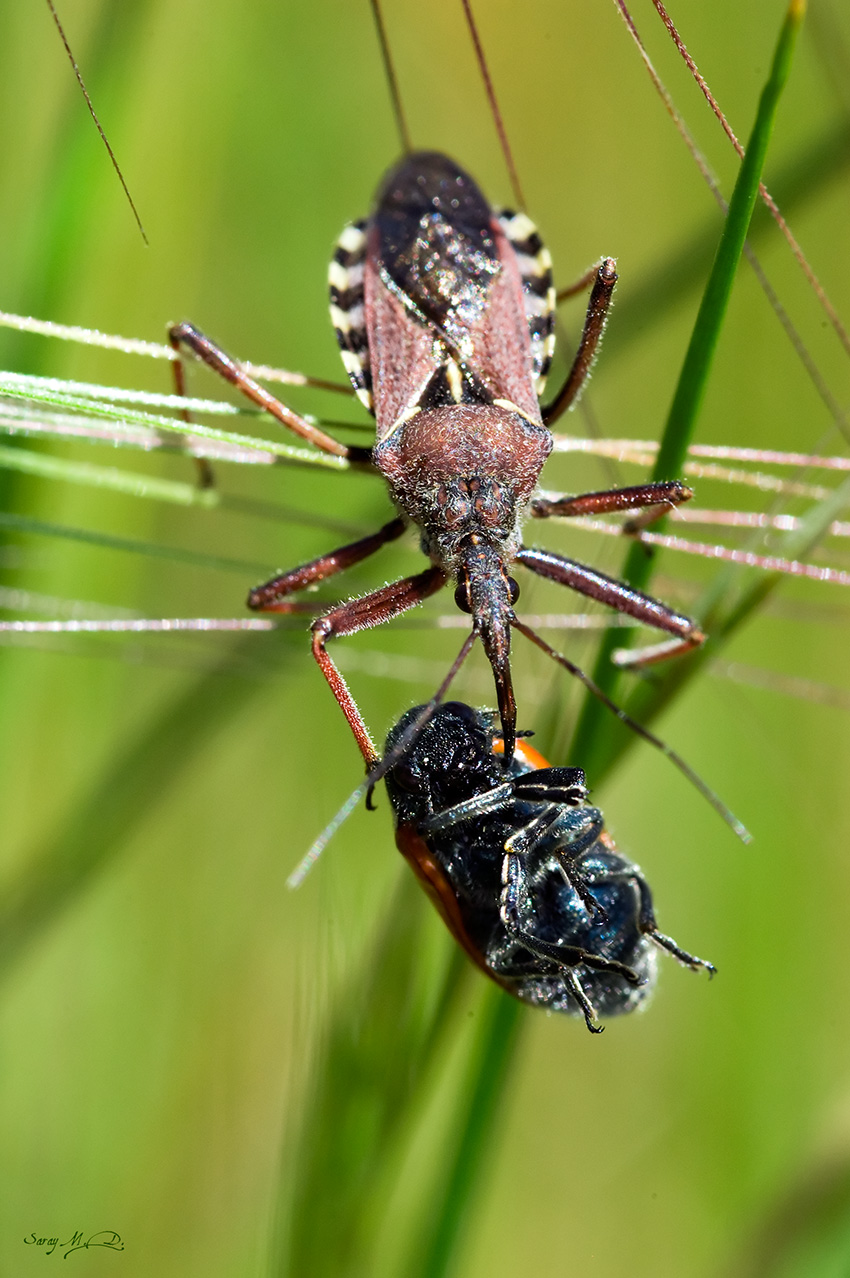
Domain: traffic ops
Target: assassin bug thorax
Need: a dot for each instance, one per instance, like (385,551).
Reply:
(521,869)
(444,311)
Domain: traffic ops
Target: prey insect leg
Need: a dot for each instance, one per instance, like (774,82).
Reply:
(616,594)
(594,324)
(650,928)
(359,614)
(564,835)
(515,895)
(647,923)
(548,787)
(220,362)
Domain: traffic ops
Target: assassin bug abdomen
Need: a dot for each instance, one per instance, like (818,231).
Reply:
(521,868)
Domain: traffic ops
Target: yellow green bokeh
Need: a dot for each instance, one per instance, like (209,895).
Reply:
(166,1003)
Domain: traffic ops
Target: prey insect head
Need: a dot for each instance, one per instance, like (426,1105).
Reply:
(450,758)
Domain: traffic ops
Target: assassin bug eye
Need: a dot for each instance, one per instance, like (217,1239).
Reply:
(513,587)
(462,598)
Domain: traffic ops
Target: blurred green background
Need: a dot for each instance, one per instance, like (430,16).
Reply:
(166,1004)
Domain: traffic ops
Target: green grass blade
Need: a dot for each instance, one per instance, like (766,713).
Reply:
(803,180)
(195,430)
(729,602)
(592,741)
(479,1107)
(119,481)
(128,545)
(500,1021)
(386,1034)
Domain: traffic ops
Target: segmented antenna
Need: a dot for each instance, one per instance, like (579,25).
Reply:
(392,82)
(494,105)
(104,139)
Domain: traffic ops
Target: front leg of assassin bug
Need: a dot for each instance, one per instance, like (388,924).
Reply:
(348,618)
(359,614)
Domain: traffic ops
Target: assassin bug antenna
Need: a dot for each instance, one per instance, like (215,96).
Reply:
(494,105)
(392,81)
(104,139)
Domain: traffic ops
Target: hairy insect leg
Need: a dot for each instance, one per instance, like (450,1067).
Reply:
(687,960)
(360,614)
(272,596)
(219,361)
(505,964)
(588,1010)
(594,325)
(616,594)
(656,498)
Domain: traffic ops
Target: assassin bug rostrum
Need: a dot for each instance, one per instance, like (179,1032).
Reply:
(521,869)
(444,311)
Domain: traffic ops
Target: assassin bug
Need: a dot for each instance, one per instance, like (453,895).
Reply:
(444,312)
(522,870)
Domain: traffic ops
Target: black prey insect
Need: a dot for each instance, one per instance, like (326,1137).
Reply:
(444,311)
(522,870)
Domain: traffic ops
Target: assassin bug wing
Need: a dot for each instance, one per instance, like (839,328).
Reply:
(440,264)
